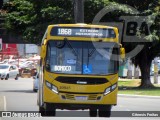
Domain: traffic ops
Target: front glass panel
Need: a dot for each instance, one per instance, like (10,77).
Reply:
(74,57)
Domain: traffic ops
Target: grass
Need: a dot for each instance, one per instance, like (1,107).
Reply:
(131,86)
(129,83)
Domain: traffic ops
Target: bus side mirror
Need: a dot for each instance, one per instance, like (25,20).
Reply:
(43,51)
(122,53)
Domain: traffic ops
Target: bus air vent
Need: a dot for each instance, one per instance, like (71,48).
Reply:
(81,80)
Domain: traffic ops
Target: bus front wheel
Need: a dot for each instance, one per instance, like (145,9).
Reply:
(42,111)
(49,109)
(105,111)
(93,112)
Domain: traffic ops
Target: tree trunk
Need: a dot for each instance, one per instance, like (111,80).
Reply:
(145,64)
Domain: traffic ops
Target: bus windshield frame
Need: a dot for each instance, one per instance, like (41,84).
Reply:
(83,58)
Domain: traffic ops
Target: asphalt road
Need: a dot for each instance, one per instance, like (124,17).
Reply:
(17,95)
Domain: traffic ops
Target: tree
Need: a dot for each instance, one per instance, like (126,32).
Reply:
(92,7)
(30,18)
(151,49)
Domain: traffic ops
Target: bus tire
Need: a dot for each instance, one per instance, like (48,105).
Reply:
(49,109)
(93,112)
(105,111)
(42,111)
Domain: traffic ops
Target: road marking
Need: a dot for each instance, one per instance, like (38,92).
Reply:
(5,103)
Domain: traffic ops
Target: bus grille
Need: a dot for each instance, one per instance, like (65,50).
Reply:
(73,97)
(70,97)
(81,80)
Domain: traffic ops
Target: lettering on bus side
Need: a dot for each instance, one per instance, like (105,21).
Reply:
(63,31)
(62,68)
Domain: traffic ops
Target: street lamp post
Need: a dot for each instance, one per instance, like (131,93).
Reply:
(79,11)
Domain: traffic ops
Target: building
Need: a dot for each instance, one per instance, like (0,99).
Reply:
(27,49)
(8,50)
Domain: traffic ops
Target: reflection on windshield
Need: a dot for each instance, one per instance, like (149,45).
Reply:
(66,59)
(70,46)
(98,63)
(81,58)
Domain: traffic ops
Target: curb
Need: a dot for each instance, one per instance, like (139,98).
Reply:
(138,96)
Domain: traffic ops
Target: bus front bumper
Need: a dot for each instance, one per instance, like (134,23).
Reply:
(68,98)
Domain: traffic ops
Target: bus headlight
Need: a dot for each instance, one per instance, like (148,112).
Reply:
(49,85)
(114,87)
(52,87)
(107,90)
(110,89)
(55,89)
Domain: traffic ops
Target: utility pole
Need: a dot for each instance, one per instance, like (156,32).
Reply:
(79,11)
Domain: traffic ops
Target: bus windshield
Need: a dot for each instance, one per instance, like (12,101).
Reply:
(76,57)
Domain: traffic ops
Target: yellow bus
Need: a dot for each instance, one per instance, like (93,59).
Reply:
(79,69)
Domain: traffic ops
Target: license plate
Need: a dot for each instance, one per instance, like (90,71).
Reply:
(81,97)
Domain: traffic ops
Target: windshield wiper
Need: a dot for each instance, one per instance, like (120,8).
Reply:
(70,46)
(91,53)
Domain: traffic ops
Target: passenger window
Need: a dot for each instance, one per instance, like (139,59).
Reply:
(11,68)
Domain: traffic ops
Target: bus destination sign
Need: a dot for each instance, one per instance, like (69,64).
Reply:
(83,32)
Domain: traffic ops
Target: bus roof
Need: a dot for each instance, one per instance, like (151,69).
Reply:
(82,31)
